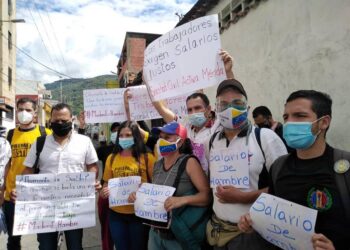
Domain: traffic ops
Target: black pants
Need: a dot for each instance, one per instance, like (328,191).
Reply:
(13,242)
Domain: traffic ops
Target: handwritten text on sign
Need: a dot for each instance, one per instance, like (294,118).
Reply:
(150,200)
(141,107)
(121,188)
(104,105)
(184,59)
(229,168)
(283,223)
(49,203)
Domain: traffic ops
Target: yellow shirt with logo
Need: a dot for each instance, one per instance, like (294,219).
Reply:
(123,166)
(20,145)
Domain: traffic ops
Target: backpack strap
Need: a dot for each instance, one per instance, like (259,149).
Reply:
(343,180)
(42,130)
(181,169)
(264,175)
(39,147)
(10,135)
(212,138)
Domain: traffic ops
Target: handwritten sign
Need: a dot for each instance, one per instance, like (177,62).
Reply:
(184,59)
(49,203)
(199,151)
(283,223)
(104,105)
(150,200)
(141,107)
(121,188)
(229,168)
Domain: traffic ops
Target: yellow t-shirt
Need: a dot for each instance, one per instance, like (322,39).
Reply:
(20,145)
(124,166)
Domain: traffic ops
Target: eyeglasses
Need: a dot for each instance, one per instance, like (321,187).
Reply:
(236,103)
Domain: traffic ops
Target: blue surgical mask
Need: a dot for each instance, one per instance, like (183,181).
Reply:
(299,135)
(126,143)
(113,137)
(197,119)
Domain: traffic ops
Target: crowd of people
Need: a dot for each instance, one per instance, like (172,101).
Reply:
(292,161)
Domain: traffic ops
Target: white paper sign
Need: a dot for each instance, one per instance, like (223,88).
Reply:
(185,59)
(229,168)
(141,107)
(104,105)
(150,200)
(121,188)
(283,223)
(49,203)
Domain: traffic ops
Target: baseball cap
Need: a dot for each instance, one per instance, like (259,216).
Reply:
(172,128)
(231,83)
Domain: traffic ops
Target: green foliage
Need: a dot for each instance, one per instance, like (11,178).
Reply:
(72,89)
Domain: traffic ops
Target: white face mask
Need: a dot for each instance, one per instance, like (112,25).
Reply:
(24,117)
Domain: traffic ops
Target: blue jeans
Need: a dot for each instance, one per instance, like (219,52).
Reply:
(127,231)
(156,242)
(13,242)
(73,238)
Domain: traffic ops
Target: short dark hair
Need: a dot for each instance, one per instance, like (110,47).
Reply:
(114,126)
(321,103)
(204,98)
(262,110)
(60,106)
(25,100)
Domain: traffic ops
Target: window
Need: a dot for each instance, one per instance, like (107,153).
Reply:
(9,40)
(9,77)
(9,114)
(9,8)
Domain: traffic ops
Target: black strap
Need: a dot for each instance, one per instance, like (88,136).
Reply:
(42,130)
(212,138)
(264,175)
(343,181)
(39,147)
(10,135)
(181,169)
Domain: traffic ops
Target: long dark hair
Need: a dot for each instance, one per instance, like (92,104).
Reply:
(186,147)
(138,148)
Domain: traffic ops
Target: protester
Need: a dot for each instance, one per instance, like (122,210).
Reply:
(192,189)
(263,119)
(129,158)
(61,148)
(257,149)
(309,176)
(200,124)
(21,139)
(5,156)
(103,206)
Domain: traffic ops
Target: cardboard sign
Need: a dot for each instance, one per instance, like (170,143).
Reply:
(104,105)
(121,188)
(185,59)
(283,223)
(141,107)
(150,200)
(229,168)
(49,203)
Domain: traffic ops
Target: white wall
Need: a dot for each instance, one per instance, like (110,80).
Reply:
(284,45)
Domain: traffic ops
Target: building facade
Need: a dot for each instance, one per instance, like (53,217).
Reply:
(283,46)
(7,63)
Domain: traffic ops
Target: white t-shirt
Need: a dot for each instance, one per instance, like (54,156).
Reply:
(5,155)
(273,148)
(71,157)
(198,140)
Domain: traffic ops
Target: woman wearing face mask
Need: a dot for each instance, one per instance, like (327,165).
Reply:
(129,158)
(192,189)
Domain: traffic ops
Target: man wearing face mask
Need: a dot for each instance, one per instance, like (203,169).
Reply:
(239,140)
(315,174)
(200,124)
(63,152)
(21,139)
(103,206)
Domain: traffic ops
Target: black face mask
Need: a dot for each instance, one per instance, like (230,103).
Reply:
(61,129)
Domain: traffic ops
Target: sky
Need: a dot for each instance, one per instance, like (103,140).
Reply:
(84,38)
